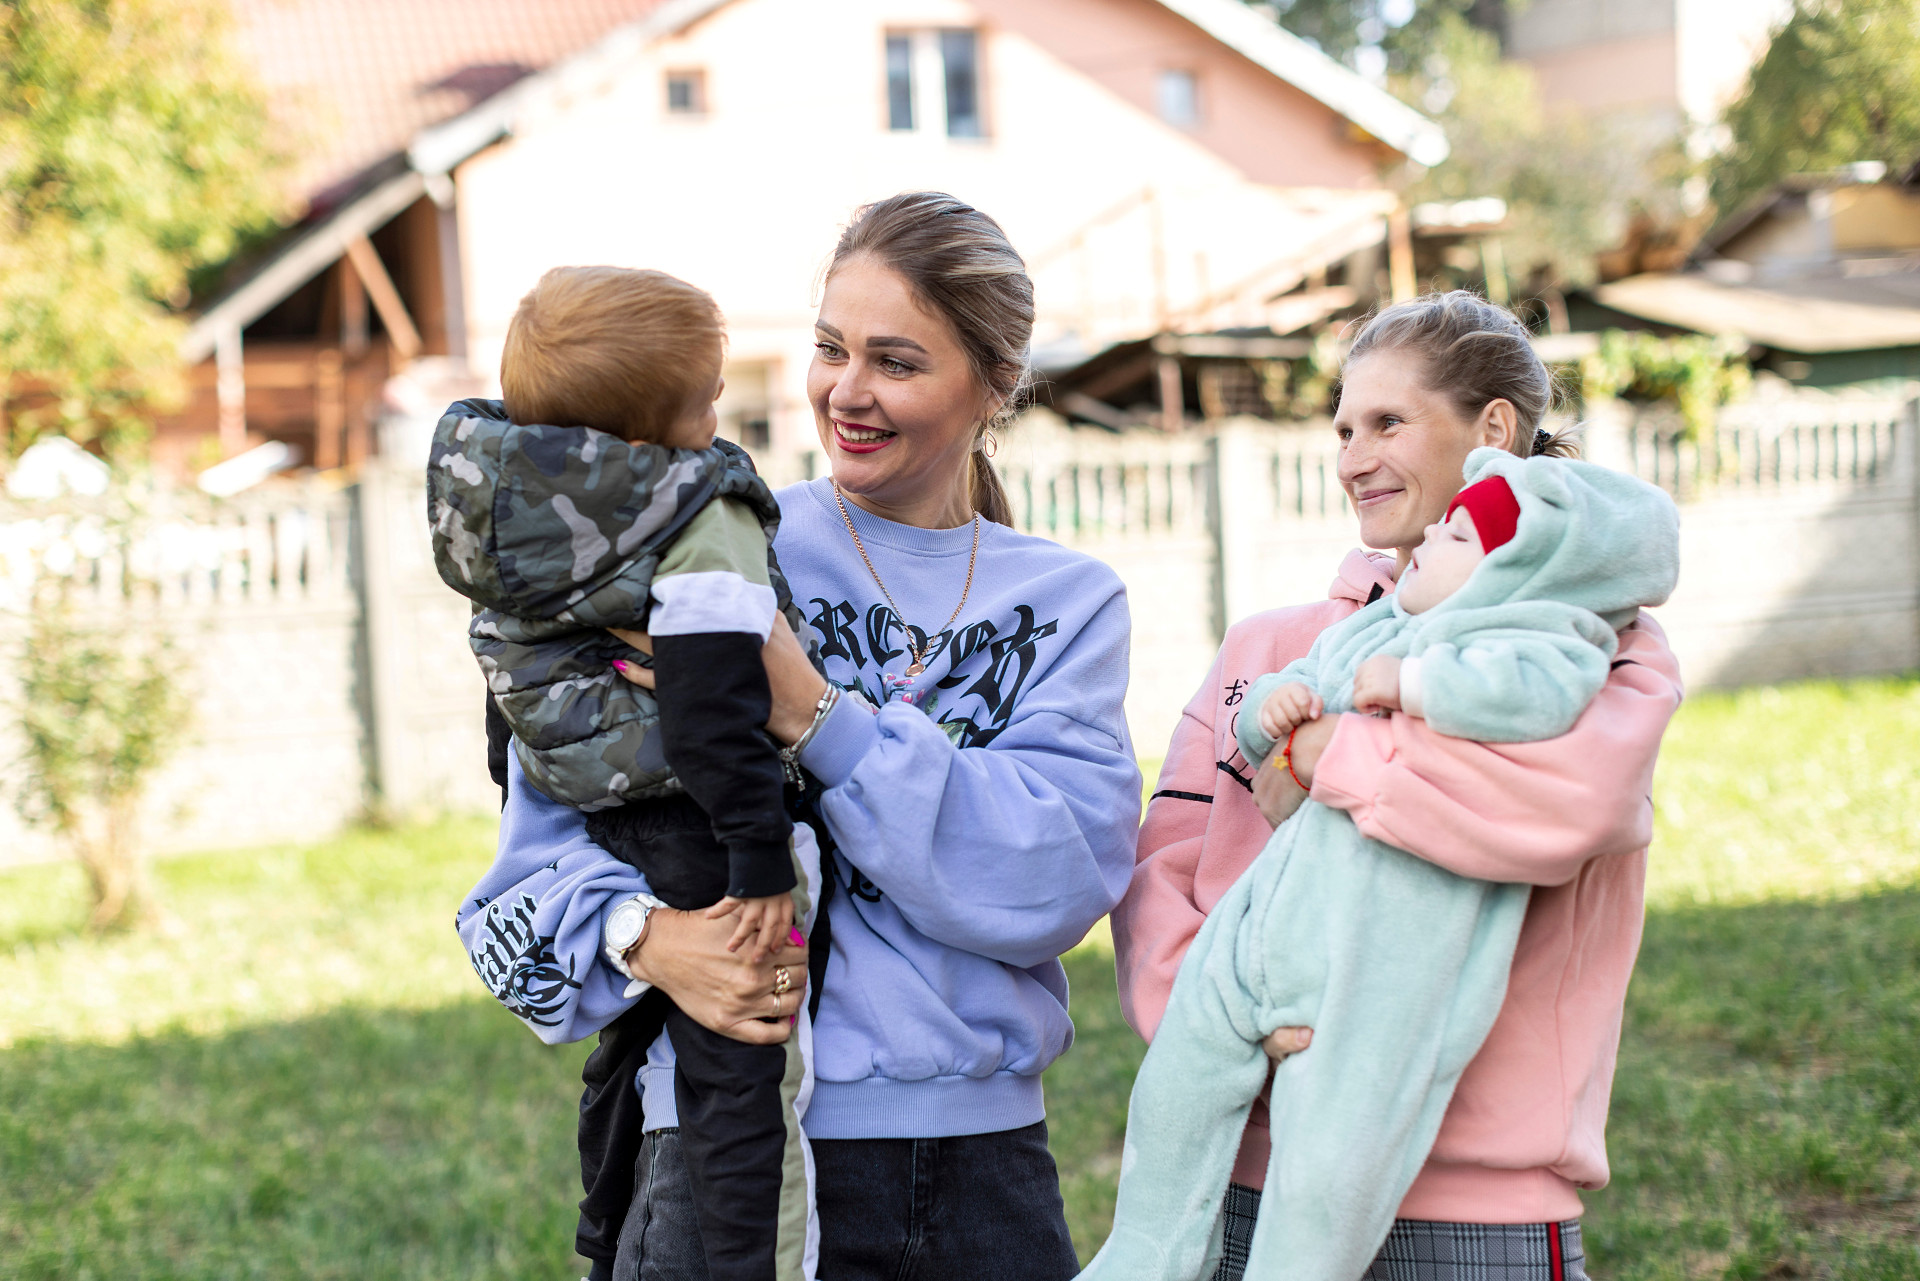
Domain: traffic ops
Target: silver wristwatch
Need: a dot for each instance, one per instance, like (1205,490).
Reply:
(626,926)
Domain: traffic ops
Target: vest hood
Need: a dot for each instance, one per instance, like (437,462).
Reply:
(546,522)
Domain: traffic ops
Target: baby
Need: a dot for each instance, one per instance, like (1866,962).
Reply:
(1501,629)
(594,496)
(1440,566)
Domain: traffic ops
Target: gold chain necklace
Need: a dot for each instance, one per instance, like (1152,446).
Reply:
(918,652)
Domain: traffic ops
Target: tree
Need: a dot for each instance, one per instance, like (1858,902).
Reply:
(1336,27)
(133,150)
(1568,180)
(1401,30)
(1840,83)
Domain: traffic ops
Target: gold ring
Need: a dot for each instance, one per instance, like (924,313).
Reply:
(776,1004)
(782,981)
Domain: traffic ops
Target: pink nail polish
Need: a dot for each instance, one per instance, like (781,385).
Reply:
(795,937)
(620,665)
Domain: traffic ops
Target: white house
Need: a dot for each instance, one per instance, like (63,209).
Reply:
(1164,165)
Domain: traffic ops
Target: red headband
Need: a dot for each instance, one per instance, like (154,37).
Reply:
(1495,511)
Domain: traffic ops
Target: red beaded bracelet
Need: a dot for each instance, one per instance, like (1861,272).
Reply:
(1287,756)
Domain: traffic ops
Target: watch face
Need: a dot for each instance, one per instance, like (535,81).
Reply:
(623,927)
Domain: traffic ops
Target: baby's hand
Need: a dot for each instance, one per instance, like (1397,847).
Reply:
(1288,707)
(767,921)
(1376,685)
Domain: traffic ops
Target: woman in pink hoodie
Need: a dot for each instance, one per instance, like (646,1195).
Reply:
(1425,383)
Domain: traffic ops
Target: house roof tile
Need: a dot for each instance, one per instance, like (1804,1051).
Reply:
(355,80)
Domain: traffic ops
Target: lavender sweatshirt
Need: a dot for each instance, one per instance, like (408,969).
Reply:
(983,829)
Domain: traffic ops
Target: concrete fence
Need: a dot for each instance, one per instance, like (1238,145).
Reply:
(331,673)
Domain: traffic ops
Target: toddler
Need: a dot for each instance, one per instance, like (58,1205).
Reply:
(1500,629)
(594,496)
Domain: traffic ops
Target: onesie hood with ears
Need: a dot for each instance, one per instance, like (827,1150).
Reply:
(1588,536)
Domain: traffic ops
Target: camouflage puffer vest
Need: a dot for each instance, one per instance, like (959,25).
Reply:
(554,533)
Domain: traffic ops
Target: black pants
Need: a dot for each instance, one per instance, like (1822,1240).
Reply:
(955,1209)
(733,1098)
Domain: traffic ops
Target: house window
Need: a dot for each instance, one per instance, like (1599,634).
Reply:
(745,407)
(686,93)
(900,83)
(934,76)
(1179,98)
(960,57)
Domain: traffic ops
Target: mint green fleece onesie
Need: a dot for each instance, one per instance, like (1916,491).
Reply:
(1398,966)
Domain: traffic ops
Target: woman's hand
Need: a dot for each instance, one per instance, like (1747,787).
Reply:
(1285,1041)
(685,955)
(1274,791)
(796,686)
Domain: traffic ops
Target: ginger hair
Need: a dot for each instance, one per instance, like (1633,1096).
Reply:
(625,351)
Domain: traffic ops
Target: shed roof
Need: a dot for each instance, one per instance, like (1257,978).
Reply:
(1808,315)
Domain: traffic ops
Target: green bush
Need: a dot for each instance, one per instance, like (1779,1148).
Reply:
(100,709)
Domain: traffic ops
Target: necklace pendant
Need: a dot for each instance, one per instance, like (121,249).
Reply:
(915,668)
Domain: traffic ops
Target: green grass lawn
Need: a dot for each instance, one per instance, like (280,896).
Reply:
(299,1076)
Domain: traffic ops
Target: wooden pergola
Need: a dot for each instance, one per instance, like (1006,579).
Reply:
(293,352)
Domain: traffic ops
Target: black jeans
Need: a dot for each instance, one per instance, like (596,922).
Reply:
(955,1209)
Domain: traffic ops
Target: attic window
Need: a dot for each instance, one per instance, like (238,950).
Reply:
(686,93)
(960,59)
(934,76)
(900,83)
(1178,94)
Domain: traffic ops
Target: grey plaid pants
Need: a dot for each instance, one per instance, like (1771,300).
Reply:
(1418,1251)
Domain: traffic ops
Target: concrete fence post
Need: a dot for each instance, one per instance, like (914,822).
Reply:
(1907,460)
(379,623)
(1243,507)
(1605,440)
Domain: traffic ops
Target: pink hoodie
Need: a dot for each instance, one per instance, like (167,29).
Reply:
(1572,816)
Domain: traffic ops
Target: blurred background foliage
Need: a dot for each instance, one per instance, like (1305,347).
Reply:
(1839,84)
(1696,372)
(100,710)
(1572,182)
(134,150)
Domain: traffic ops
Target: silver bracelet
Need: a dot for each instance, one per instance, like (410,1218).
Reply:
(790,756)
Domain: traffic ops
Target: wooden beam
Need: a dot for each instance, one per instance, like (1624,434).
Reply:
(329,410)
(1118,377)
(1173,406)
(231,390)
(353,310)
(386,299)
(1493,265)
(1400,254)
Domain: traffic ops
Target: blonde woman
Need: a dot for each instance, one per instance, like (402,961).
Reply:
(979,785)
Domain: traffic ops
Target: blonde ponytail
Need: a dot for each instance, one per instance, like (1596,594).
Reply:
(989,495)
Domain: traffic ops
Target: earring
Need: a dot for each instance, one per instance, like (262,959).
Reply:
(989,444)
